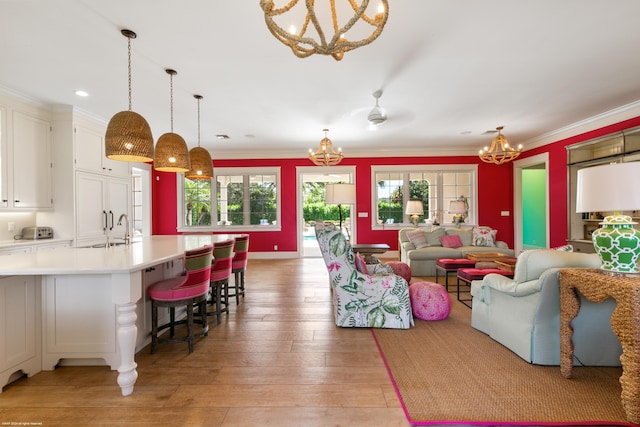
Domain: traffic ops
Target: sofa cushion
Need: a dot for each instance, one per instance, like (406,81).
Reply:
(418,238)
(452,241)
(484,236)
(433,236)
(465,234)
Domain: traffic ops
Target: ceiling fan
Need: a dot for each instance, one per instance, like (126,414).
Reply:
(377,115)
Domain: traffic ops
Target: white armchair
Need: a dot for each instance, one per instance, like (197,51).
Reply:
(523,313)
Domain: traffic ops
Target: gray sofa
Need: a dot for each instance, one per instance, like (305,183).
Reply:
(423,260)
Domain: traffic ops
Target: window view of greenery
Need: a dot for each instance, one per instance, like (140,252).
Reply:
(396,189)
(197,195)
(314,208)
(234,193)
(257,192)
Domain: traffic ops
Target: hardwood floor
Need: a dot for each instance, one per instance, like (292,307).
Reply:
(277,359)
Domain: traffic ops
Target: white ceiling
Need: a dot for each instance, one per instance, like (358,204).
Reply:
(449,69)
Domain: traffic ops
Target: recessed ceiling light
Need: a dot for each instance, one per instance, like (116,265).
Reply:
(82,93)
(222,136)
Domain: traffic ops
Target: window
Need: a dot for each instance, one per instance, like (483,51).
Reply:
(434,185)
(243,198)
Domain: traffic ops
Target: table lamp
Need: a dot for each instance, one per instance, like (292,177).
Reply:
(340,194)
(608,188)
(415,209)
(459,209)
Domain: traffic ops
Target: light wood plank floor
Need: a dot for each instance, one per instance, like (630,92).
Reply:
(276,360)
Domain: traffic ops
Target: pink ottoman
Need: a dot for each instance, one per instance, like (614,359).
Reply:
(429,301)
(401,269)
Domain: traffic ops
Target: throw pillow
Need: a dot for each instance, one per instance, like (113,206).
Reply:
(484,236)
(361,266)
(418,238)
(566,248)
(453,241)
(465,234)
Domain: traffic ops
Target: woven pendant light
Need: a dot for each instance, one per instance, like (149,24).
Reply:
(201,163)
(128,137)
(172,153)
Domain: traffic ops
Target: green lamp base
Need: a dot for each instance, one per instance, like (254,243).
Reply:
(618,244)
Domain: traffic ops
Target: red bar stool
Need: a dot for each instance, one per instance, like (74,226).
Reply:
(239,266)
(220,274)
(186,290)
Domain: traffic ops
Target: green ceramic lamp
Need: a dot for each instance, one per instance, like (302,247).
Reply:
(613,188)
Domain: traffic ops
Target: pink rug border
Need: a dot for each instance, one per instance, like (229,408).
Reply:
(482,423)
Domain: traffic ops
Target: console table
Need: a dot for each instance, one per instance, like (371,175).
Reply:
(625,320)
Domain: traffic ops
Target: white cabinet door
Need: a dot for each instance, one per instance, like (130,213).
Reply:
(31,172)
(4,172)
(20,333)
(91,209)
(100,201)
(118,202)
(90,154)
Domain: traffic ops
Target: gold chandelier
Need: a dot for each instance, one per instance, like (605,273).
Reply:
(304,45)
(500,151)
(326,155)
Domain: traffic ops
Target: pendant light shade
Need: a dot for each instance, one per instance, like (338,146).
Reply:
(171,154)
(201,163)
(128,137)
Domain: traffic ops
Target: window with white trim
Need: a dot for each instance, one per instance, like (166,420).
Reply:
(235,197)
(435,185)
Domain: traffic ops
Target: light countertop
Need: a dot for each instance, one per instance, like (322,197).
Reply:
(140,254)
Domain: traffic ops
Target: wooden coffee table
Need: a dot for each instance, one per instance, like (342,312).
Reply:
(487,256)
(369,249)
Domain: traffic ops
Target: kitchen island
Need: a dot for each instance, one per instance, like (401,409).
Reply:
(84,305)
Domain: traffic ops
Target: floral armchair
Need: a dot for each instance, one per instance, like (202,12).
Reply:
(360,299)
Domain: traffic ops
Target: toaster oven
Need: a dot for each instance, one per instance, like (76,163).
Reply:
(37,233)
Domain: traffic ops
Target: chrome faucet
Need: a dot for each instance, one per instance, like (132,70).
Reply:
(127,236)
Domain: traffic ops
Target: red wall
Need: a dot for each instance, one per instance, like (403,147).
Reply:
(495,194)
(493,197)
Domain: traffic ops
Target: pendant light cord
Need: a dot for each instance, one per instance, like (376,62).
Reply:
(171,85)
(129,61)
(198,121)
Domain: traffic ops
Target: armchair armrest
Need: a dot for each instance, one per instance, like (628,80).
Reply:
(506,285)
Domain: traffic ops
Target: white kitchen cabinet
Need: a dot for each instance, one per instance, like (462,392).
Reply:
(90,152)
(25,175)
(100,202)
(20,328)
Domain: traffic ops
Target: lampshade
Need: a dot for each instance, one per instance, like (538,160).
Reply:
(199,158)
(612,188)
(457,207)
(128,137)
(172,153)
(414,207)
(316,33)
(608,188)
(340,194)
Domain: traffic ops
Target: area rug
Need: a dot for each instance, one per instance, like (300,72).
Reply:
(446,372)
